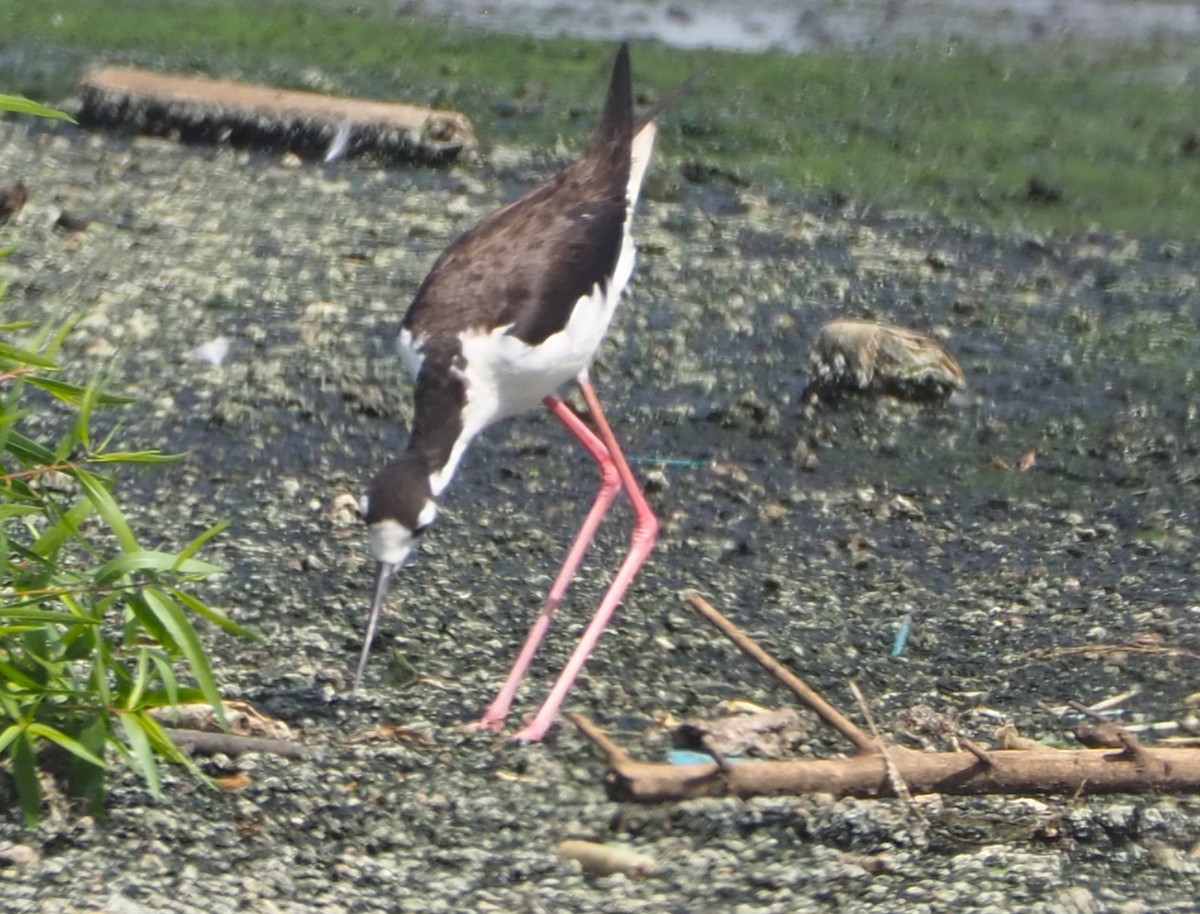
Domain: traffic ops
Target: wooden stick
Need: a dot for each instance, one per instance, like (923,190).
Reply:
(976,750)
(823,709)
(1021,771)
(612,752)
(895,778)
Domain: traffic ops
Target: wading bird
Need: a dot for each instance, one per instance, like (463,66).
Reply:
(511,311)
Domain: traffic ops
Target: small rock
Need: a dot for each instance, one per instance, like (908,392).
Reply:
(71,223)
(18,855)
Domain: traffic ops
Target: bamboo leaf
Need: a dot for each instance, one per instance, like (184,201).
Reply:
(216,616)
(66,527)
(194,546)
(11,510)
(168,750)
(150,560)
(17,614)
(85,404)
(134,457)
(20,105)
(10,706)
(150,622)
(11,353)
(9,735)
(85,780)
(28,451)
(159,698)
(73,393)
(63,741)
(24,772)
(142,757)
(13,676)
(107,508)
(139,680)
(170,683)
(52,342)
(168,613)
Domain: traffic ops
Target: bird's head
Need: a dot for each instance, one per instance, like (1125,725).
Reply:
(398,509)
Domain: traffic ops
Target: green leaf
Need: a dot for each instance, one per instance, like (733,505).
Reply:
(140,680)
(107,508)
(9,735)
(149,621)
(168,750)
(65,528)
(21,356)
(85,780)
(73,393)
(9,674)
(63,741)
(11,510)
(194,546)
(142,757)
(170,684)
(18,614)
(134,457)
(24,772)
(20,105)
(168,613)
(51,343)
(150,560)
(212,614)
(28,451)
(158,698)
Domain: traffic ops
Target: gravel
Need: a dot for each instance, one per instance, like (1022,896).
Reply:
(817,530)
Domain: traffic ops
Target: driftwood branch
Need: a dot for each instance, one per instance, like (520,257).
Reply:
(1009,771)
(807,695)
(878,767)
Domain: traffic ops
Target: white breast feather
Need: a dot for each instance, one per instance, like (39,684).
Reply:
(505,376)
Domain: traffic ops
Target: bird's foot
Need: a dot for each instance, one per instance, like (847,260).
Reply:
(487,722)
(534,732)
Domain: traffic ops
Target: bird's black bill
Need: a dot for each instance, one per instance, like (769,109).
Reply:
(383,576)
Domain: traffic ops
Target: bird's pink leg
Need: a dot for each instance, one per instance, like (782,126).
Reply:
(610,484)
(645,531)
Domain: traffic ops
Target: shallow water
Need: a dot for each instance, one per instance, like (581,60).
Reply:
(756,25)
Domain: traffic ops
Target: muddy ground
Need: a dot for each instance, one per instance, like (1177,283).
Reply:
(817,530)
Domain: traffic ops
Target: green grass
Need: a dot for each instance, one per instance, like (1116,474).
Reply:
(954,131)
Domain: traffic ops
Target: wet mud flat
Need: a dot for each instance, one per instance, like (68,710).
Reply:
(817,530)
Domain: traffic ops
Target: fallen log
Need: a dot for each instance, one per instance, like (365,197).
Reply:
(1004,771)
(880,768)
(310,124)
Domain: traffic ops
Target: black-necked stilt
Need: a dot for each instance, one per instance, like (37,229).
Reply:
(511,311)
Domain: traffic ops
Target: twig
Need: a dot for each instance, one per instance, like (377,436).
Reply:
(823,709)
(612,752)
(208,742)
(895,778)
(1135,749)
(976,750)
(1127,648)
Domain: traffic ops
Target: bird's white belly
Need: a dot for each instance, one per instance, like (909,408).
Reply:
(506,376)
